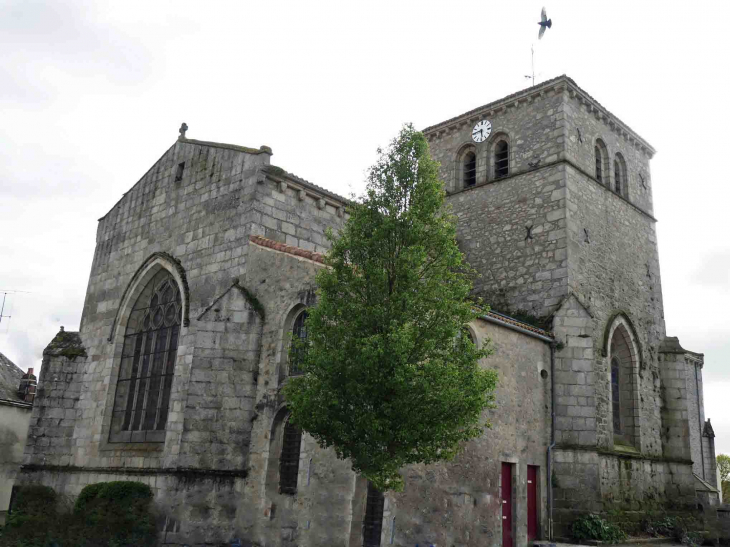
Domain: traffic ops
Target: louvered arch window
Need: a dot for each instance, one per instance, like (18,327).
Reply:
(470,169)
(501,159)
(291,447)
(145,378)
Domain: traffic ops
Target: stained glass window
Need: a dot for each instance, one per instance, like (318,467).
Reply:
(299,332)
(148,363)
(615,395)
(289,461)
(373,521)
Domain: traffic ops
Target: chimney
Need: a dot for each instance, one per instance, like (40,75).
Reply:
(27,387)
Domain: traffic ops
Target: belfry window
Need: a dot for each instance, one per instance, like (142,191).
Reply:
(501,159)
(289,462)
(296,353)
(599,165)
(148,363)
(373,521)
(470,169)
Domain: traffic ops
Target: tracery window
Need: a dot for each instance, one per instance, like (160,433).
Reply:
(501,159)
(470,169)
(289,460)
(297,352)
(373,521)
(145,378)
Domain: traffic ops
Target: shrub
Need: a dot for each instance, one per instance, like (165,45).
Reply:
(107,514)
(592,526)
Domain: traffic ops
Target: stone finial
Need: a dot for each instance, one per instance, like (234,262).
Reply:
(61,328)
(183,129)
(709,432)
(266,149)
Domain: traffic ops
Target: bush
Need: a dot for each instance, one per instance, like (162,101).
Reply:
(592,526)
(107,514)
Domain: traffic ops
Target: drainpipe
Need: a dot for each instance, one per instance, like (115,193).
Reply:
(699,419)
(552,442)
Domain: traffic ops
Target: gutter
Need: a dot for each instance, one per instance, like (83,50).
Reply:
(549,456)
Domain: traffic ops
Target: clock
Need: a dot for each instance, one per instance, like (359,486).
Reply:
(481,131)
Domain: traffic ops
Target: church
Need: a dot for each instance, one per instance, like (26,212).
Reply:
(204,270)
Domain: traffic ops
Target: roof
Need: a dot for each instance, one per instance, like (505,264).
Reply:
(10,375)
(284,248)
(537,89)
(507,320)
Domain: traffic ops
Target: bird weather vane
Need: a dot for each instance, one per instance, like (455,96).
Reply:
(544,23)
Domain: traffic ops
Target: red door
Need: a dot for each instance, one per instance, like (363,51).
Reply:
(531,502)
(506,505)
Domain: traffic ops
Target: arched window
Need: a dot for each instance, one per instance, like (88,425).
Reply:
(625,402)
(501,159)
(601,153)
(619,174)
(470,169)
(143,388)
(296,353)
(373,521)
(291,446)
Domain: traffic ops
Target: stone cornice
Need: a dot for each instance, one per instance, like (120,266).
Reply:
(286,180)
(561,84)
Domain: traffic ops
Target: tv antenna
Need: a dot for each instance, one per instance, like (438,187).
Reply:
(5,295)
(532,51)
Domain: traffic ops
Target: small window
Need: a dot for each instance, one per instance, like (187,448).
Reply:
(616,395)
(289,462)
(501,159)
(470,169)
(619,172)
(299,332)
(373,522)
(602,163)
(179,172)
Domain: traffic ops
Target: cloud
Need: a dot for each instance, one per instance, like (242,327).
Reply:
(714,271)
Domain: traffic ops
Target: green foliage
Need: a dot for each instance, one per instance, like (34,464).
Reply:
(726,491)
(592,526)
(388,379)
(684,529)
(107,514)
(723,464)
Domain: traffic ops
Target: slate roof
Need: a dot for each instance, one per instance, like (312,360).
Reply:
(10,375)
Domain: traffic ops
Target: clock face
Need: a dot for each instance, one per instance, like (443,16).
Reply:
(481,131)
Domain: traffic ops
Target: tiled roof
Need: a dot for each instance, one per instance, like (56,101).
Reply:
(10,375)
(514,322)
(289,249)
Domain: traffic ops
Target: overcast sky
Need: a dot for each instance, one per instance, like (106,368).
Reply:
(91,94)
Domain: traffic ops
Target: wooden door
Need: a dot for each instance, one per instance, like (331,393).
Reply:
(532,502)
(507,505)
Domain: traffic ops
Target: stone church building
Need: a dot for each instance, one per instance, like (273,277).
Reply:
(205,268)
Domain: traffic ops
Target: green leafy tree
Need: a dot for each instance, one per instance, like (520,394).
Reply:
(723,464)
(390,378)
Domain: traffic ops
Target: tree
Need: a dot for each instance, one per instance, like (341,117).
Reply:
(390,378)
(723,464)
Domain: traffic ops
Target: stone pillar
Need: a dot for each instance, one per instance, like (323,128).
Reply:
(675,411)
(50,435)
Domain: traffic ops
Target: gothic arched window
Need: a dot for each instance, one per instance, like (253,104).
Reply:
(148,363)
(296,353)
(625,400)
(373,521)
(501,159)
(470,169)
(291,447)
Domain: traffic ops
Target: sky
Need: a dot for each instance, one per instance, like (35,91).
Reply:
(92,94)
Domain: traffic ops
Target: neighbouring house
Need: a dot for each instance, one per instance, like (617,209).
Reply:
(17,390)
